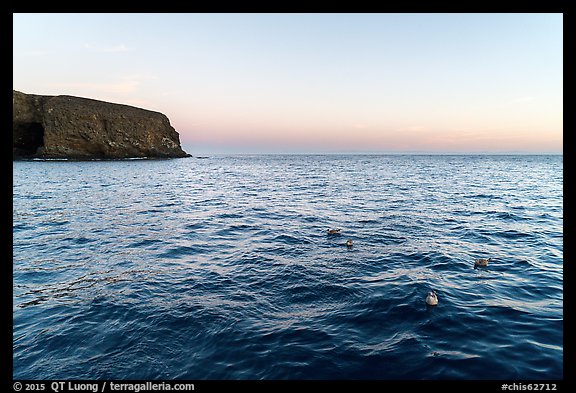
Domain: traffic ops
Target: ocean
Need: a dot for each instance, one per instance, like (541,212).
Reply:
(222,268)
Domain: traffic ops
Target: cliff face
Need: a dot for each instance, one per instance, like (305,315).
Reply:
(81,128)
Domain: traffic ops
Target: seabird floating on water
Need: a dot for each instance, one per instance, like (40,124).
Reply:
(431,299)
(482,262)
(334,231)
(349,243)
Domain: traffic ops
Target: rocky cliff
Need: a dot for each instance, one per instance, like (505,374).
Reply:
(82,128)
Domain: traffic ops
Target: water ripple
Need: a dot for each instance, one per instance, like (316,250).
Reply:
(222,268)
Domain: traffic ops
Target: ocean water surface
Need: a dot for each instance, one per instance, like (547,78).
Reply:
(222,268)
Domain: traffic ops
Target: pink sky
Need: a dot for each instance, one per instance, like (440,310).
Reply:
(254,83)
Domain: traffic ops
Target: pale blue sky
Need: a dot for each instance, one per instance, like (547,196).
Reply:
(313,82)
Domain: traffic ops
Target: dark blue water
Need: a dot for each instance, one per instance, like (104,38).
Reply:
(222,268)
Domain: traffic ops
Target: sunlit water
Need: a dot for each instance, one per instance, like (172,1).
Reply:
(222,268)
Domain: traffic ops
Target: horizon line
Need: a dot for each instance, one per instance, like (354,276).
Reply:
(414,153)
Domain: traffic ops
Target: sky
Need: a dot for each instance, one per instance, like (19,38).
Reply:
(313,83)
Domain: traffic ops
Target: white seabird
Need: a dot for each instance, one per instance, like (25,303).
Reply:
(431,299)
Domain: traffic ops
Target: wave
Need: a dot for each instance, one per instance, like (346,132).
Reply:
(224,270)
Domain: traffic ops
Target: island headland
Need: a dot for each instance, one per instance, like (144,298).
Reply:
(69,127)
